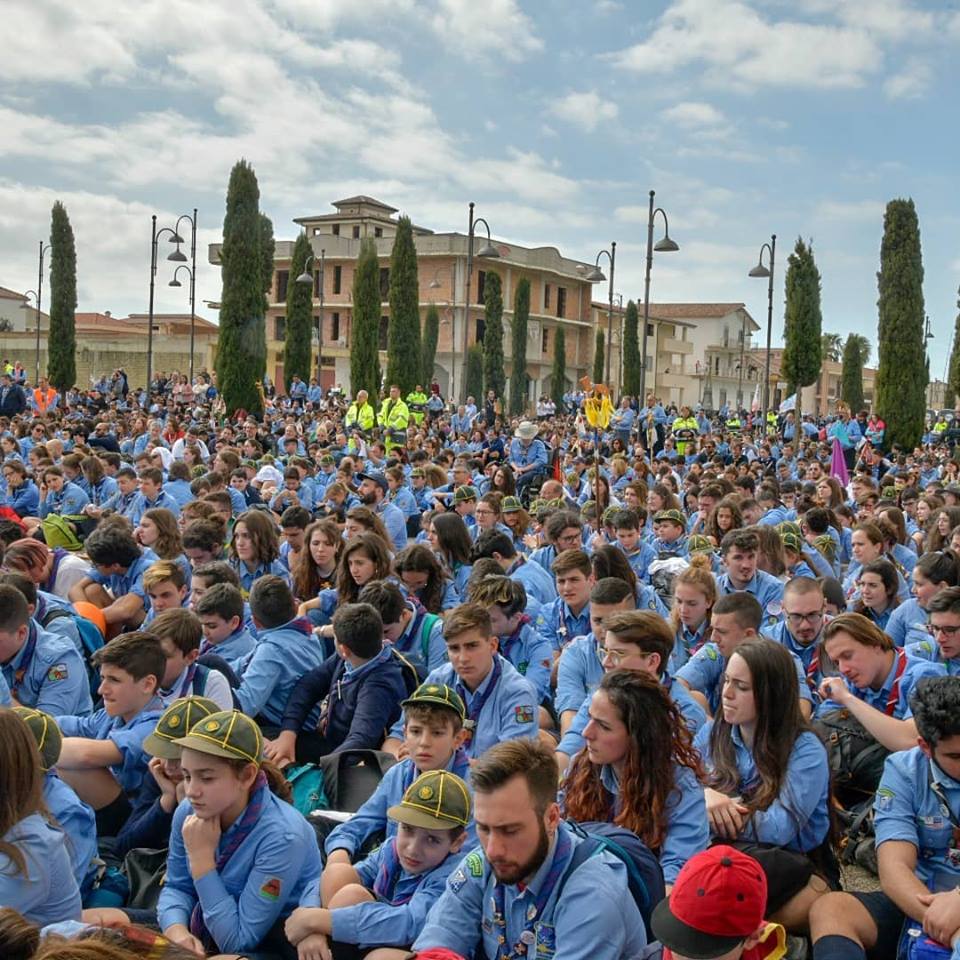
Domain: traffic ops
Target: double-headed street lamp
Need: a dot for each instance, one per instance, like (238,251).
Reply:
(666,245)
(487,250)
(761,271)
(305,278)
(596,276)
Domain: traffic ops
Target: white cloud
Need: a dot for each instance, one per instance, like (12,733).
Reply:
(739,47)
(910,83)
(850,211)
(495,28)
(585,109)
(692,114)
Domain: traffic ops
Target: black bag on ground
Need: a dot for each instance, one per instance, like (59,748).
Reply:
(856,756)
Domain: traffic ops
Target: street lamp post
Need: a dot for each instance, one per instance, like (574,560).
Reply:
(761,271)
(487,250)
(39,294)
(305,278)
(666,245)
(595,276)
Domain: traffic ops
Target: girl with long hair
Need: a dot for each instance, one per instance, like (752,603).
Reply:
(724,517)
(316,566)
(927,507)
(933,572)
(450,540)
(519,522)
(694,594)
(639,769)
(868,543)
(938,535)
(422,577)
(611,561)
(255,549)
(36,876)
(768,777)
(158,531)
(878,586)
(364,520)
(503,481)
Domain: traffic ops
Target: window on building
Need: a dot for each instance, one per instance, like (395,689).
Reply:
(336,229)
(561,301)
(648,364)
(279,328)
(650,330)
(481,329)
(316,327)
(378,231)
(481,285)
(337,279)
(283,280)
(384,283)
(356,232)
(335,326)
(545,342)
(546,296)
(384,327)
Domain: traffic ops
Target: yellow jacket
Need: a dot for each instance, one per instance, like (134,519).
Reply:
(394,415)
(361,417)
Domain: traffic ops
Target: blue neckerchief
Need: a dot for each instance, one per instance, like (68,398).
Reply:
(480,699)
(507,642)
(388,875)
(26,657)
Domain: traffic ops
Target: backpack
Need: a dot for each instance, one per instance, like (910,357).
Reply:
(858,839)
(90,637)
(426,626)
(62,531)
(644,874)
(306,781)
(856,757)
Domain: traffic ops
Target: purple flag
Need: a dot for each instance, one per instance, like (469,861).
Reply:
(838,465)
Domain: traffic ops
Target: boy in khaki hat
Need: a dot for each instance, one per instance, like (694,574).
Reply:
(384,900)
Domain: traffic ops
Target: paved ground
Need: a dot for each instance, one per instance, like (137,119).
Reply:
(857,880)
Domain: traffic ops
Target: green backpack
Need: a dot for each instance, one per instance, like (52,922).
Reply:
(60,531)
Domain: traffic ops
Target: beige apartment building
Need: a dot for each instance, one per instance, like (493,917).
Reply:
(560,297)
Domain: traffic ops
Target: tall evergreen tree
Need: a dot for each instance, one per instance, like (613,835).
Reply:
(239,361)
(598,358)
(900,395)
(518,370)
(801,335)
(365,332)
(268,247)
(631,351)
(953,371)
(62,337)
(474,376)
(494,375)
(851,376)
(558,379)
(428,347)
(297,345)
(404,360)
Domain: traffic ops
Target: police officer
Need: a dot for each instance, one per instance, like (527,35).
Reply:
(523,897)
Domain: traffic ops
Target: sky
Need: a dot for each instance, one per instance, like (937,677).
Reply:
(747,117)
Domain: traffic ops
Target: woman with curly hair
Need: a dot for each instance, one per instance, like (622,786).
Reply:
(726,516)
(422,577)
(158,531)
(315,567)
(639,769)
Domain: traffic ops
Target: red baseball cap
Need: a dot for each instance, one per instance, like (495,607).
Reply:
(718,900)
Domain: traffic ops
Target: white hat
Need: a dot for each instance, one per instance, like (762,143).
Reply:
(526,430)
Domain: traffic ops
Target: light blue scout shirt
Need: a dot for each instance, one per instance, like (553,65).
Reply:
(5,699)
(908,623)
(704,672)
(578,673)
(234,649)
(262,882)
(560,624)
(688,830)
(536,581)
(396,523)
(523,455)
(371,819)
(685,641)
(767,589)
(930,650)
(398,914)
(69,502)
(640,559)
(907,809)
(48,892)
(79,823)
(799,818)
(530,653)
(693,714)
(852,592)
(49,674)
(912,671)
(163,500)
(126,737)
(422,642)
(544,557)
(120,584)
(502,707)
(465,919)
(811,657)
(248,577)
(61,626)
(272,669)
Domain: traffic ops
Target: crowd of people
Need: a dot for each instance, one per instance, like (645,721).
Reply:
(645,685)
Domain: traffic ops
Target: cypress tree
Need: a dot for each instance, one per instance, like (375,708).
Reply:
(953,371)
(598,358)
(494,376)
(518,372)
(62,337)
(297,346)
(631,351)
(268,248)
(851,376)
(364,352)
(801,335)
(404,360)
(240,362)
(474,382)
(431,334)
(901,380)
(558,378)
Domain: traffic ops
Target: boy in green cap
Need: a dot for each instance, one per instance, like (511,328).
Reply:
(384,899)
(433,740)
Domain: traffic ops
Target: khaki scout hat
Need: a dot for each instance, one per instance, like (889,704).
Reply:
(45,731)
(178,719)
(437,694)
(435,800)
(229,734)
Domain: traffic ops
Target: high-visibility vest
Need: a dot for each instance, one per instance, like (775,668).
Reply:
(43,401)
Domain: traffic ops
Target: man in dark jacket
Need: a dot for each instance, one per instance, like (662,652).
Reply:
(12,398)
(359,690)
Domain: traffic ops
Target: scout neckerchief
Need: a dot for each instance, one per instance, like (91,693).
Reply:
(560,857)
(895,689)
(507,642)
(389,874)
(479,700)
(28,650)
(58,554)
(188,680)
(238,834)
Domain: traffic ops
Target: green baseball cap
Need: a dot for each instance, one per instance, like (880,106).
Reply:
(789,526)
(45,731)
(464,493)
(180,717)
(416,473)
(698,543)
(511,505)
(227,733)
(439,695)
(326,460)
(673,516)
(438,800)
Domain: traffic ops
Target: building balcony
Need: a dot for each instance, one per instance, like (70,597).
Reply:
(672,345)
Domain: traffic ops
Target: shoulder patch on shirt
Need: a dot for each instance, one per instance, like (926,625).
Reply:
(774,608)
(711,653)
(457,879)
(58,672)
(885,797)
(523,714)
(271,889)
(474,864)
